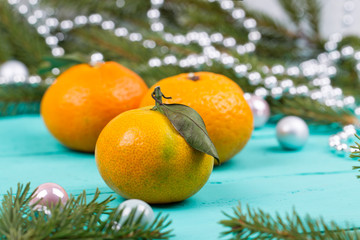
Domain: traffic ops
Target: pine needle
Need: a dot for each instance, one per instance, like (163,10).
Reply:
(248,223)
(356,153)
(78,219)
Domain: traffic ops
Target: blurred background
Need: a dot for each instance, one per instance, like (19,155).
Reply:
(335,16)
(301,56)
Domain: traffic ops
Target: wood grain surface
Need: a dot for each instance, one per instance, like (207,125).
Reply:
(313,180)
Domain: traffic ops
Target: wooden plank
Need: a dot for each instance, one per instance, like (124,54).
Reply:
(314,180)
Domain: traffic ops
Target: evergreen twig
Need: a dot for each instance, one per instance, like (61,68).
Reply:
(20,98)
(313,10)
(78,219)
(6,50)
(251,223)
(23,42)
(356,154)
(313,111)
(293,11)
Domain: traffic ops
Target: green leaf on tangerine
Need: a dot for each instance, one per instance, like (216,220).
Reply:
(191,127)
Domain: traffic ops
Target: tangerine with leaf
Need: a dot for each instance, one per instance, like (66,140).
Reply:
(159,154)
(219,101)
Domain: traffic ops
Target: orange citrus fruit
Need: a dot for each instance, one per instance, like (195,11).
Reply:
(85,98)
(139,154)
(220,103)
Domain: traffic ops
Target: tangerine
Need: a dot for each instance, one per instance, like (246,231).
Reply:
(219,101)
(139,154)
(83,99)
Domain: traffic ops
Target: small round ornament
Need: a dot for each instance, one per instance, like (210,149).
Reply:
(292,132)
(13,69)
(141,208)
(48,195)
(260,109)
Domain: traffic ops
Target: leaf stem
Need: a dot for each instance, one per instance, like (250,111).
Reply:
(157,95)
(192,76)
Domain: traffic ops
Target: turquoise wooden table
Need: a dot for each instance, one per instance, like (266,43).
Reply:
(312,180)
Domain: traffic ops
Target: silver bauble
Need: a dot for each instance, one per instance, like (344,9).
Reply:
(292,132)
(14,70)
(141,208)
(259,108)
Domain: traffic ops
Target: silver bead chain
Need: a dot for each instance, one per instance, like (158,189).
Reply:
(319,71)
(341,142)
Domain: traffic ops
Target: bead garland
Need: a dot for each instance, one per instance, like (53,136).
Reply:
(319,71)
(203,39)
(348,8)
(339,142)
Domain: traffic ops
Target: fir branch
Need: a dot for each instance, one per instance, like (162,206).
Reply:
(30,47)
(272,26)
(21,92)
(6,50)
(20,98)
(277,41)
(293,10)
(305,12)
(312,110)
(122,49)
(204,16)
(134,14)
(257,224)
(347,77)
(356,154)
(78,219)
(106,42)
(351,40)
(312,13)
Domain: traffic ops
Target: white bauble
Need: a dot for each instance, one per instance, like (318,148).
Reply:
(292,132)
(14,70)
(141,208)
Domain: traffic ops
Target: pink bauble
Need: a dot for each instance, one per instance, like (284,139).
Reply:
(49,194)
(260,109)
